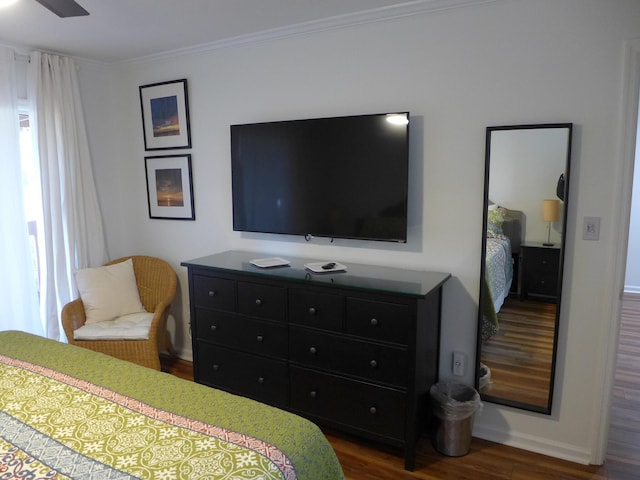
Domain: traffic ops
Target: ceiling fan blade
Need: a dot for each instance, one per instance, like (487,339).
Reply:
(64,8)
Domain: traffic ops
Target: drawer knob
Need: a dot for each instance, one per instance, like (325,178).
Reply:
(373,410)
(259,338)
(213,328)
(313,350)
(373,363)
(258,302)
(313,394)
(212,293)
(215,367)
(374,322)
(260,379)
(312,311)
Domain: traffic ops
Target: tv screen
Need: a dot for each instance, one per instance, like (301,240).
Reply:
(340,177)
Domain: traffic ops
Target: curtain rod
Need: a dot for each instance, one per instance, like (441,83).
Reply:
(26,58)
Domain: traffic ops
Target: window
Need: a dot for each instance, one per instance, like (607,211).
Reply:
(32,192)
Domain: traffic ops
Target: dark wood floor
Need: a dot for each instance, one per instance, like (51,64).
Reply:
(490,461)
(623,452)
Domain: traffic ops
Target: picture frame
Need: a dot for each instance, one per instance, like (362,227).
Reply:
(170,187)
(165,115)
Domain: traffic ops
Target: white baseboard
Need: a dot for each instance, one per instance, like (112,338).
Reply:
(632,289)
(186,354)
(531,443)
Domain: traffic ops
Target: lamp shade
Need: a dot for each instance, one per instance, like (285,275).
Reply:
(550,210)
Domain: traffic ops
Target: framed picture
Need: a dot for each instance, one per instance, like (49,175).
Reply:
(170,187)
(165,115)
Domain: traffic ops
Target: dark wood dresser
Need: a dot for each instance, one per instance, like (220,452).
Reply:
(540,271)
(356,350)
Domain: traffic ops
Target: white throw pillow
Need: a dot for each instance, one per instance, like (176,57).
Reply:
(109,292)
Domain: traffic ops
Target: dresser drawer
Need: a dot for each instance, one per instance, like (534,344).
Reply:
(369,361)
(212,292)
(542,260)
(540,271)
(244,374)
(390,322)
(355,404)
(265,301)
(543,284)
(318,310)
(248,334)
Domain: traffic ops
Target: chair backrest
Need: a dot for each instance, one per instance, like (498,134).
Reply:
(156,280)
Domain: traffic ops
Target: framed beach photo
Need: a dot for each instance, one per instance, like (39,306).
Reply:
(170,187)
(165,115)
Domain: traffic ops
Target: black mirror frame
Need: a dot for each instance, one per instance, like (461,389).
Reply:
(498,400)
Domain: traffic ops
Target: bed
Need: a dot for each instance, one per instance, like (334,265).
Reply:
(68,412)
(504,233)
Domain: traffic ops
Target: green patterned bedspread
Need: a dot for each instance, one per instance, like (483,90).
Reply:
(67,412)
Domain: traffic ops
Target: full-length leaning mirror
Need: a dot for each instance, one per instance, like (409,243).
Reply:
(525,205)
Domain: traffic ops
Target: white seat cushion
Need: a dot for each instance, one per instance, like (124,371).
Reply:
(134,326)
(109,292)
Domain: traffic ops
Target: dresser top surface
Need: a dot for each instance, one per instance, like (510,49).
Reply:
(360,276)
(553,246)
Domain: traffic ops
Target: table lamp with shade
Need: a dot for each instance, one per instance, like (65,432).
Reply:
(550,214)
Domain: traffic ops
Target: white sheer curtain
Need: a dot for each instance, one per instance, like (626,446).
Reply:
(73,230)
(19,290)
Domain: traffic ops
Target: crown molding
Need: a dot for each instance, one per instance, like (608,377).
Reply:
(406,9)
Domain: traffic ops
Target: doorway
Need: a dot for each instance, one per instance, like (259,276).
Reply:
(622,456)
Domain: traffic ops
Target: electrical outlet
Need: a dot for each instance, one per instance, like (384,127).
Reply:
(591,228)
(459,363)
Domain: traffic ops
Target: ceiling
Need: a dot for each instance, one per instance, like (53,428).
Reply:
(121,30)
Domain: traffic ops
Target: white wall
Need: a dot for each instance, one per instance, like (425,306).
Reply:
(525,167)
(457,71)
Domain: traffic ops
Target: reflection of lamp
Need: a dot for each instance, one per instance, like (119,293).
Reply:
(550,214)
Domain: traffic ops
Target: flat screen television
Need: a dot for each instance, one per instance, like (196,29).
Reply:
(340,177)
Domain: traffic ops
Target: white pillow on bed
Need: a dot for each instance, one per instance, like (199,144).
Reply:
(109,292)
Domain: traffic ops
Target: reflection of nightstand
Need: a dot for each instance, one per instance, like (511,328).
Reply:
(540,271)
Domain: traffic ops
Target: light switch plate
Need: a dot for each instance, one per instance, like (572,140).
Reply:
(591,228)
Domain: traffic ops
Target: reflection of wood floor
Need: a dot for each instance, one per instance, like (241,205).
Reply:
(519,355)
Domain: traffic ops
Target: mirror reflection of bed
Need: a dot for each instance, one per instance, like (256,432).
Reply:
(517,333)
(526,192)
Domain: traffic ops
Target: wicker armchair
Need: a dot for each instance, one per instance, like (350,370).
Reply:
(157,283)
